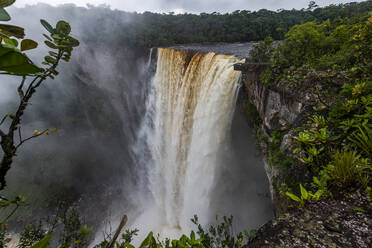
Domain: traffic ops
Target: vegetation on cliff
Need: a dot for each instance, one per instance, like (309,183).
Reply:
(328,65)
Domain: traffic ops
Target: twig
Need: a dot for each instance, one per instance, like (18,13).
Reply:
(31,85)
(3,198)
(32,137)
(2,121)
(20,88)
(20,134)
(122,224)
(10,215)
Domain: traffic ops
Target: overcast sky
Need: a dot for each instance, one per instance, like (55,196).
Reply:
(190,5)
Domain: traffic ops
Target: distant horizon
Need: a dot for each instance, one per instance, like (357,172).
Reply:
(190,6)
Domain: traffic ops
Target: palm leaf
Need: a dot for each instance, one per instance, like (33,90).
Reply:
(363,140)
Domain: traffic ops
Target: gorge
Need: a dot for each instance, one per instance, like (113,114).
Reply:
(162,131)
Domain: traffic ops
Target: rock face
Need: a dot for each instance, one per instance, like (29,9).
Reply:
(277,108)
(337,223)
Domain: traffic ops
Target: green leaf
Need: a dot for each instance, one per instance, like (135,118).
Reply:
(11,30)
(12,59)
(21,70)
(12,42)
(13,62)
(73,41)
(44,243)
(4,36)
(192,235)
(148,240)
(6,3)
(316,181)
(47,37)
(5,48)
(57,37)
(47,26)
(50,44)
(50,60)
(293,197)
(4,16)
(304,193)
(63,28)
(28,44)
(127,245)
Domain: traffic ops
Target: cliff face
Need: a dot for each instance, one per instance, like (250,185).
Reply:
(277,108)
(279,111)
(335,222)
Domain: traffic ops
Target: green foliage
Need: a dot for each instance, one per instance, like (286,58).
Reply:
(320,183)
(28,44)
(65,228)
(286,164)
(12,60)
(162,29)
(348,168)
(253,115)
(44,243)
(31,235)
(74,233)
(4,16)
(306,195)
(58,39)
(263,51)
(218,236)
(222,235)
(363,139)
(3,229)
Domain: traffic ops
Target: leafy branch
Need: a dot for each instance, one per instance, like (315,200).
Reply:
(14,62)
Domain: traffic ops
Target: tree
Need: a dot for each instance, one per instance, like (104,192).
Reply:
(14,62)
(312,5)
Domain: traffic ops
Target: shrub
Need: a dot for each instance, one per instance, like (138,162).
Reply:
(348,168)
(263,51)
(363,140)
(30,235)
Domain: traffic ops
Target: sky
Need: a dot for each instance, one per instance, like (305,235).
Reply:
(191,6)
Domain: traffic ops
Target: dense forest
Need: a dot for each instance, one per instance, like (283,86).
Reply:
(154,29)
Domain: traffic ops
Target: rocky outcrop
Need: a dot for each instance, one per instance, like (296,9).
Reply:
(343,222)
(277,108)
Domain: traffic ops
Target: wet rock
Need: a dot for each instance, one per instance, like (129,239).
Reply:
(325,223)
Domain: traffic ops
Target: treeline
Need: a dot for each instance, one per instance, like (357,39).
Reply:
(154,29)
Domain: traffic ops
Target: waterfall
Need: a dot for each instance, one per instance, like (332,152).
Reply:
(150,58)
(194,104)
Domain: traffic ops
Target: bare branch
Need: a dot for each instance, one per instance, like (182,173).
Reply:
(120,227)
(3,198)
(31,85)
(32,137)
(2,121)
(10,215)
(20,134)
(20,88)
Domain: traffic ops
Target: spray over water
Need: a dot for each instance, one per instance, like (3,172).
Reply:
(194,105)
